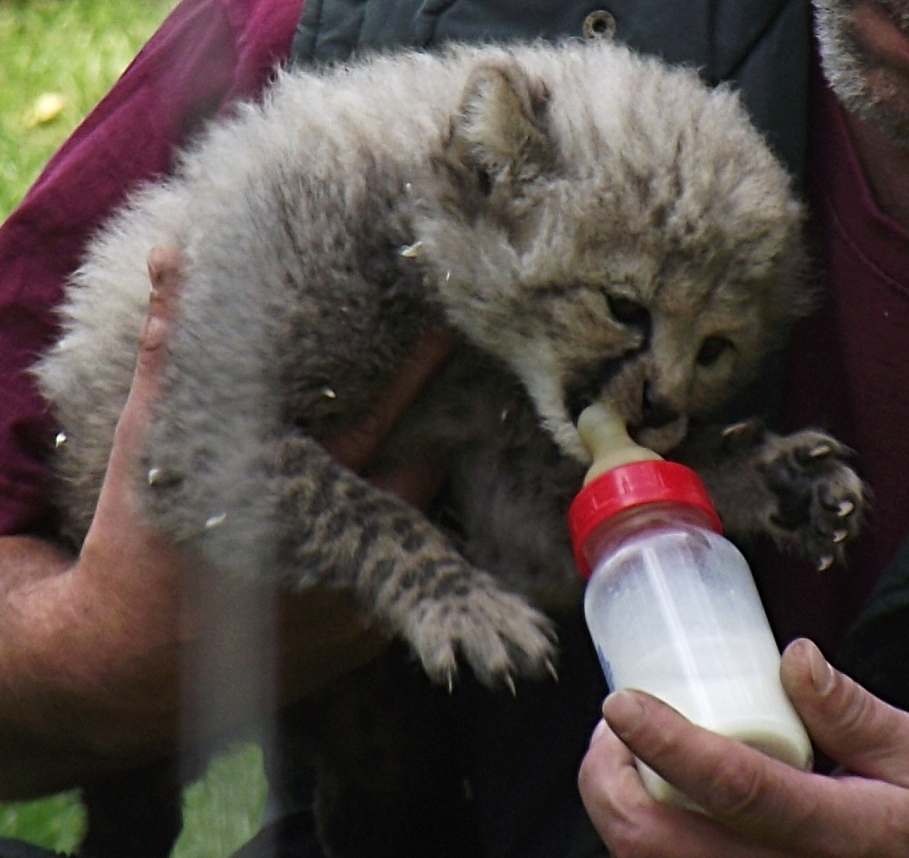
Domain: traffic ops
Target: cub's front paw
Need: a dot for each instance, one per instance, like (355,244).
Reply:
(819,498)
(497,633)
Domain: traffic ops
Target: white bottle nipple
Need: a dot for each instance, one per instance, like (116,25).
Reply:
(607,440)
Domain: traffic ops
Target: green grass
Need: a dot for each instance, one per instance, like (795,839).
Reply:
(56,823)
(222,811)
(75,50)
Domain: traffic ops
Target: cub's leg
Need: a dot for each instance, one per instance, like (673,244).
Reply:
(296,515)
(339,530)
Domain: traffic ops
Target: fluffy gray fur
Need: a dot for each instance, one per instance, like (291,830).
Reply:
(592,225)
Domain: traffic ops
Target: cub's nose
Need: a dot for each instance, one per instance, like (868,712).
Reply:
(656,412)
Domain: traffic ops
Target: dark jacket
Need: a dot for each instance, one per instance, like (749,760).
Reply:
(762,46)
(876,649)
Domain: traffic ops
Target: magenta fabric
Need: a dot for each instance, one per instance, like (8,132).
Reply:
(849,374)
(205,55)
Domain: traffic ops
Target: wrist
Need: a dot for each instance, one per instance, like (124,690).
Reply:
(79,675)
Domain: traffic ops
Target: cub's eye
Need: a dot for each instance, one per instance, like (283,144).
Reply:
(627,312)
(711,349)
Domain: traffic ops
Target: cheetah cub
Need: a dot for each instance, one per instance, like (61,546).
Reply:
(589,223)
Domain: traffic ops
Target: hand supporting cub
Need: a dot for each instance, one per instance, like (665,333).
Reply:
(92,646)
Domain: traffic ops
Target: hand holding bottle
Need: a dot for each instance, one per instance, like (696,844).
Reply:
(759,807)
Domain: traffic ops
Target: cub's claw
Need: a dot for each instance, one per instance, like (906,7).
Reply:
(819,498)
(743,435)
(496,633)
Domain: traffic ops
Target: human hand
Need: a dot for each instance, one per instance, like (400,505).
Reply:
(321,634)
(91,651)
(757,806)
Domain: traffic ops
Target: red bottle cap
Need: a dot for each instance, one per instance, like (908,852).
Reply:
(634,485)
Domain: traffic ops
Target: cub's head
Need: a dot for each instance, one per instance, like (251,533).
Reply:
(613,230)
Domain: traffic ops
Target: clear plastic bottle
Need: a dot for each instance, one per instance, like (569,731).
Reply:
(673,610)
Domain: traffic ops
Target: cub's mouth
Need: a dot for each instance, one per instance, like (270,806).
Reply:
(651,421)
(645,411)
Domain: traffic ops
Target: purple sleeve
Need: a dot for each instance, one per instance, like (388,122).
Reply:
(205,55)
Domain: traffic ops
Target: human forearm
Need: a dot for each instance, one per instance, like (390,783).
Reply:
(71,666)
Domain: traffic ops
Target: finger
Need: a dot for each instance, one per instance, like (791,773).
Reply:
(165,269)
(165,266)
(608,777)
(750,793)
(357,444)
(861,732)
(764,801)
(630,822)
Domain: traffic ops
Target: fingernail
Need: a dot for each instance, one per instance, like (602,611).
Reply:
(623,711)
(154,332)
(822,676)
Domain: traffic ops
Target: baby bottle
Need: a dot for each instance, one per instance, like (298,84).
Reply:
(671,604)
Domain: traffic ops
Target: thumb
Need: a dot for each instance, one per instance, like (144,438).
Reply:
(165,271)
(856,729)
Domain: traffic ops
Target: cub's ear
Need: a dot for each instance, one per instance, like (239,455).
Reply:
(496,135)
